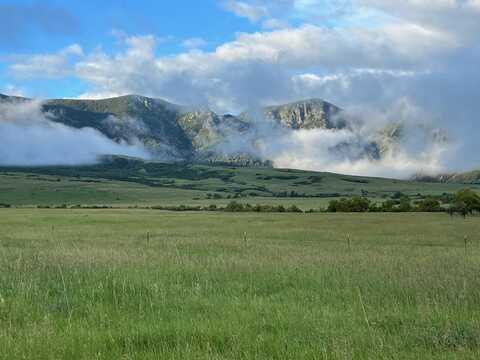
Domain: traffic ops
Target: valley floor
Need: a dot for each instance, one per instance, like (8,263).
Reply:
(138,284)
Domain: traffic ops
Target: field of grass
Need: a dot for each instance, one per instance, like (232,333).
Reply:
(92,284)
(130,182)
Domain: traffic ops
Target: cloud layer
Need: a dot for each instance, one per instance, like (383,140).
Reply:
(369,145)
(29,138)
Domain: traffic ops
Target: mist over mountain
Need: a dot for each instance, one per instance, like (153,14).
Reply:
(309,134)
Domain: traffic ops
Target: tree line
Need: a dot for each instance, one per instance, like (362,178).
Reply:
(464,202)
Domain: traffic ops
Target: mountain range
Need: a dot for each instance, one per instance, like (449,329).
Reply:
(174,132)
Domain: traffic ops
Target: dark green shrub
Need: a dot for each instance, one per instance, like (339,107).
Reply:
(355,204)
(294,209)
(389,206)
(404,205)
(397,195)
(234,206)
(429,204)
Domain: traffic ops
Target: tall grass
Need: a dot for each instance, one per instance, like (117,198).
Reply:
(92,289)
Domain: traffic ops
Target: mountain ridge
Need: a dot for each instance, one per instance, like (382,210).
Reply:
(467,177)
(173,132)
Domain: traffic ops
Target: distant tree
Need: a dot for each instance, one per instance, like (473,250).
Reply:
(234,206)
(465,202)
(355,204)
(359,204)
(333,206)
(388,206)
(374,207)
(343,205)
(469,199)
(429,204)
(446,198)
(404,205)
(294,209)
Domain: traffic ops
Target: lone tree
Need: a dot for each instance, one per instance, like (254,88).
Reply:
(466,202)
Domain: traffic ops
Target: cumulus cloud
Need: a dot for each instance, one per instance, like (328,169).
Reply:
(29,138)
(439,14)
(253,66)
(49,66)
(216,78)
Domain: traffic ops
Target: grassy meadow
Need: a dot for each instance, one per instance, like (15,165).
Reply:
(130,182)
(143,284)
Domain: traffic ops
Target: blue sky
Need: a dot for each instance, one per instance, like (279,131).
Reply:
(97,23)
(91,22)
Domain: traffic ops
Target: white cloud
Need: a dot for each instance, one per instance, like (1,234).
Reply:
(30,138)
(221,77)
(316,150)
(251,11)
(309,46)
(194,43)
(473,5)
(420,148)
(111,74)
(459,18)
(276,12)
(259,65)
(273,24)
(50,66)
(12,90)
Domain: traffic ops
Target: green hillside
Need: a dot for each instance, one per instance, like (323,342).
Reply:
(121,181)
(152,121)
